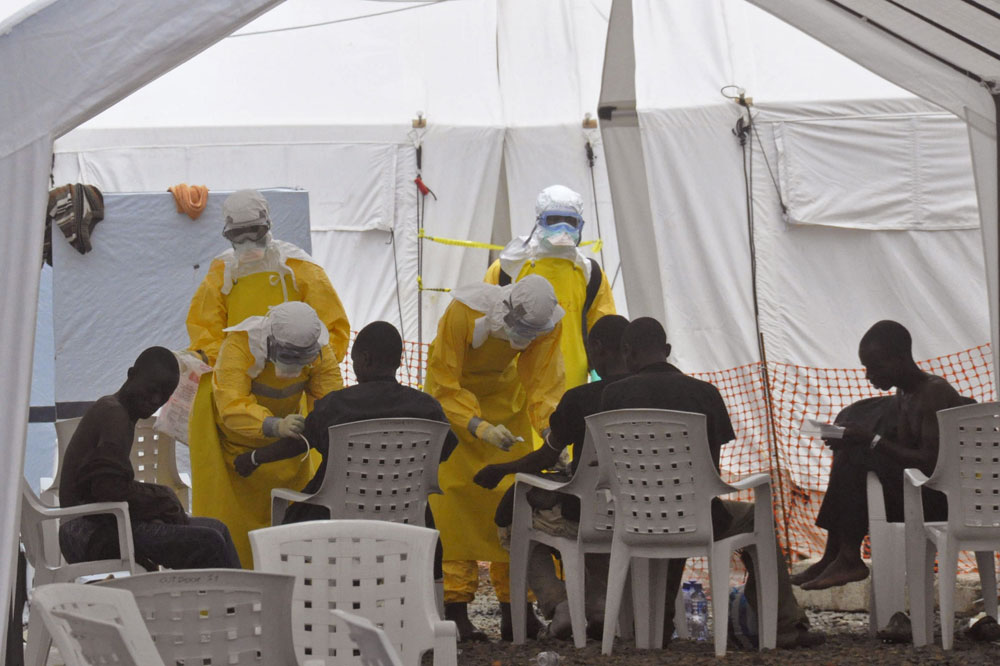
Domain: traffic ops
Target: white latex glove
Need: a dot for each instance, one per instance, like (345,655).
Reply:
(291,425)
(498,436)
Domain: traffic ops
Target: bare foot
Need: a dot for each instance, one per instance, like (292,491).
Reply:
(838,573)
(813,571)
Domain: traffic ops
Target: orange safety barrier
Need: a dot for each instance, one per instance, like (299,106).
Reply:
(767,432)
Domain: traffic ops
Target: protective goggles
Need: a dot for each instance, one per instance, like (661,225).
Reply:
(561,218)
(244,234)
(280,352)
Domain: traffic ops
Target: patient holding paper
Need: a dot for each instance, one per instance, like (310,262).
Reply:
(884,435)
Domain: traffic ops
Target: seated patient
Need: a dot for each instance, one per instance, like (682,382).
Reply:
(560,515)
(884,435)
(656,384)
(97,468)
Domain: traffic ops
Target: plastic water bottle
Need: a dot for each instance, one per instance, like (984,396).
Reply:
(699,613)
(688,609)
(547,658)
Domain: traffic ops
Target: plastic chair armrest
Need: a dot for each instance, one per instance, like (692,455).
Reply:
(445,643)
(118,509)
(290,495)
(915,477)
(752,481)
(876,500)
(913,505)
(538,482)
(281,498)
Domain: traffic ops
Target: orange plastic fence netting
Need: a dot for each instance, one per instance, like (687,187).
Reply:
(767,432)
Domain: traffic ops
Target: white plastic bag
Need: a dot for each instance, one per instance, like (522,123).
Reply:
(173,417)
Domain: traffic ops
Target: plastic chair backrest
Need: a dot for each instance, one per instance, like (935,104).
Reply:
(382,469)
(663,478)
(597,511)
(64,432)
(154,459)
(91,625)
(216,616)
(40,551)
(83,641)
(374,648)
(376,569)
(968,468)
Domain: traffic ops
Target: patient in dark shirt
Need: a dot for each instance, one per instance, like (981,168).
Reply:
(97,468)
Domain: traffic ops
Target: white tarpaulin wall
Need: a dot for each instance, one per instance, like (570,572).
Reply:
(506,83)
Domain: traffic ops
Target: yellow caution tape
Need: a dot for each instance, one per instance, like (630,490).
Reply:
(598,244)
(421,287)
(459,243)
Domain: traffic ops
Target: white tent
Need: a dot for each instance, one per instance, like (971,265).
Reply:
(312,95)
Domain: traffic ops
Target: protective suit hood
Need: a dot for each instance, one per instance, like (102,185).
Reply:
(516,312)
(258,329)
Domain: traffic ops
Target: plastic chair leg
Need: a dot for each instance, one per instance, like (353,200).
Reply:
(988,581)
(680,616)
(718,567)
(947,575)
(618,571)
(626,616)
(520,552)
(39,641)
(642,600)
(919,572)
(658,604)
(766,573)
(573,569)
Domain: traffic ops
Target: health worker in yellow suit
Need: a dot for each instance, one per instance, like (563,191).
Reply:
(496,369)
(257,273)
(551,251)
(266,366)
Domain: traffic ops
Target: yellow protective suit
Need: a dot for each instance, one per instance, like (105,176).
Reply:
(501,385)
(570,284)
(238,405)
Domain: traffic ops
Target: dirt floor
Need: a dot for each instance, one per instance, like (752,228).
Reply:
(847,642)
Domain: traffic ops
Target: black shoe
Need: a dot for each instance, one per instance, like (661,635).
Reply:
(985,629)
(533,625)
(459,614)
(898,630)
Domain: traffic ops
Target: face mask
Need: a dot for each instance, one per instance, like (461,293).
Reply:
(249,251)
(287,370)
(516,341)
(553,239)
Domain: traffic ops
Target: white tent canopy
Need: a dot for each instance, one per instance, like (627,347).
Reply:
(321,96)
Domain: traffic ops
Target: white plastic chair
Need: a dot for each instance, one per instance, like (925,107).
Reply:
(46,559)
(94,626)
(154,460)
(380,469)
(663,483)
(376,569)
(216,616)
(597,519)
(887,587)
(374,648)
(968,473)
